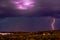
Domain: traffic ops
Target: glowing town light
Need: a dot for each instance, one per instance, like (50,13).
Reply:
(52,24)
(23,4)
(4,33)
(43,33)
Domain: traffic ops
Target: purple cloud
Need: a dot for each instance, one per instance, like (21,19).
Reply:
(23,4)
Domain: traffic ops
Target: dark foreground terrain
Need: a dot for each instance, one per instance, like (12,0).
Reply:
(45,35)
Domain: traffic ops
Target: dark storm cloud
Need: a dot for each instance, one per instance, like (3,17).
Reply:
(57,24)
(33,20)
(43,8)
(26,24)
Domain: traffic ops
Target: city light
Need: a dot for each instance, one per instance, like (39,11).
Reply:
(4,33)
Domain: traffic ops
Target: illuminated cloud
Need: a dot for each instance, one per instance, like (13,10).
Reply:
(23,4)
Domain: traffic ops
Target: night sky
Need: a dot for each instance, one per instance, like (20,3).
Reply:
(28,24)
(39,18)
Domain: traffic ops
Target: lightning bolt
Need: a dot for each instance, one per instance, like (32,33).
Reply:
(53,23)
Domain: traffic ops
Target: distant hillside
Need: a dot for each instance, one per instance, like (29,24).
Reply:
(43,35)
